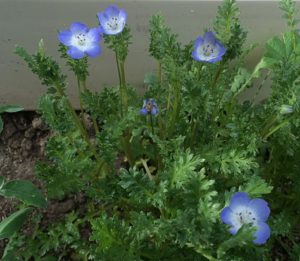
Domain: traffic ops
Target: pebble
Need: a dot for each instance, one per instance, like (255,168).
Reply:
(9,130)
(26,144)
(29,133)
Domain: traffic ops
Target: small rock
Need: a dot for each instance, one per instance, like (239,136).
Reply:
(64,207)
(29,133)
(25,154)
(9,130)
(37,123)
(21,123)
(15,144)
(26,144)
(88,123)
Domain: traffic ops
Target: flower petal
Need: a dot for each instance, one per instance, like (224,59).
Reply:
(102,19)
(215,59)
(112,10)
(123,16)
(75,53)
(154,111)
(239,199)
(198,41)
(78,27)
(262,234)
(234,229)
(65,37)
(260,209)
(209,37)
(227,215)
(143,111)
(94,50)
(93,35)
(221,48)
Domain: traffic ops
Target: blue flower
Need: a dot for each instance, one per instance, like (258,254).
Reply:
(81,41)
(208,49)
(149,106)
(243,210)
(112,20)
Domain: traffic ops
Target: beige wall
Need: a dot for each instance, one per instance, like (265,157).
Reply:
(25,22)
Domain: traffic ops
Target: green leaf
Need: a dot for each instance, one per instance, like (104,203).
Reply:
(25,191)
(241,77)
(10,108)
(256,187)
(265,62)
(13,223)
(276,49)
(1,124)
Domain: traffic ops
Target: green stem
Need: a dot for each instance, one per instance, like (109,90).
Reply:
(151,122)
(159,73)
(269,124)
(127,147)
(124,86)
(80,100)
(147,169)
(120,84)
(217,75)
(276,128)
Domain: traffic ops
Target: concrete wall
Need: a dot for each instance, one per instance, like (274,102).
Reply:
(25,22)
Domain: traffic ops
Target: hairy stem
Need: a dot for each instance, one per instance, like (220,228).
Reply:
(120,84)
(159,73)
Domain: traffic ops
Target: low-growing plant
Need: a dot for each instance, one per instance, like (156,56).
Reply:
(180,173)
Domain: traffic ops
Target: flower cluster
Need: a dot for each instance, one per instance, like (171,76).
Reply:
(82,41)
(243,210)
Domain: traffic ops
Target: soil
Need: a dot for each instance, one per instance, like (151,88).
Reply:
(22,144)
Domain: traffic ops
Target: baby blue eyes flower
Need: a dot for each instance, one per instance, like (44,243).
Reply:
(208,49)
(112,20)
(81,41)
(149,106)
(243,210)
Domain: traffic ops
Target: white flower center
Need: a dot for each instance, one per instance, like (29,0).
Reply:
(81,39)
(244,216)
(113,23)
(208,50)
